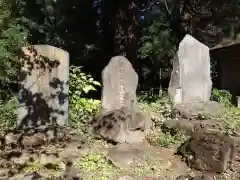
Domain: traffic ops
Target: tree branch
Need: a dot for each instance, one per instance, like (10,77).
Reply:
(167,8)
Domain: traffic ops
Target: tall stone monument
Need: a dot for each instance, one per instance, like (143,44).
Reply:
(119,84)
(43,79)
(190,79)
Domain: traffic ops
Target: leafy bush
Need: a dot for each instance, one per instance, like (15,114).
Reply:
(94,166)
(221,96)
(13,35)
(160,109)
(160,139)
(230,122)
(8,113)
(81,109)
(156,42)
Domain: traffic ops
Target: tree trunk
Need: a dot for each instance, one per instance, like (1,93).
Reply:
(127,31)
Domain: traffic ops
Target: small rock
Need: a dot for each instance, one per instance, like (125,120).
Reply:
(130,126)
(136,137)
(190,126)
(35,140)
(71,150)
(50,135)
(49,160)
(4,163)
(124,155)
(1,134)
(11,138)
(22,160)
(3,172)
(51,150)
(62,135)
(71,172)
(202,177)
(207,108)
(205,177)
(184,177)
(126,178)
(26,176)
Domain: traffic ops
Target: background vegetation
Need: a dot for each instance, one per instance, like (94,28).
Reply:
(147,32)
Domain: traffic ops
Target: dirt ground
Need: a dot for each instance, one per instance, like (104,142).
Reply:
(95,159)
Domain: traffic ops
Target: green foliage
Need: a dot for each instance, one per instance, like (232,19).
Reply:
(81,109)
(156,51)
(166,140)
(156,43)
(13,35)
(32,166)
(230,122)
(221,96)
(8,113)
(214,70)
(11,40)
(95,164)
(160,109)
(80,83)
(148,96)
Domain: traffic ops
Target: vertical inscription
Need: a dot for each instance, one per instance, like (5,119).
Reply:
(122,91)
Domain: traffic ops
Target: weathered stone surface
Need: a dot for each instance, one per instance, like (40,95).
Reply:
(43,94)
(124,155)
(126,178)
(71,172)
(209,151)
(142,157)
(22,160)
(33,141)
(190,78)
(11,138)
(190,126)
(119,81)
(49,160)
(202,177)
(206,108)
(184,177)
(71,150)
(122,125)
(26,176)
(34,137)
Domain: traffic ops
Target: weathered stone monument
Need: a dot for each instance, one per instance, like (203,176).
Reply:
(121,120)
(43,79)
(119,84)
(190,78)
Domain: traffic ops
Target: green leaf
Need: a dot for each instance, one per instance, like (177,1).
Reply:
(96,83)
(88,88)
